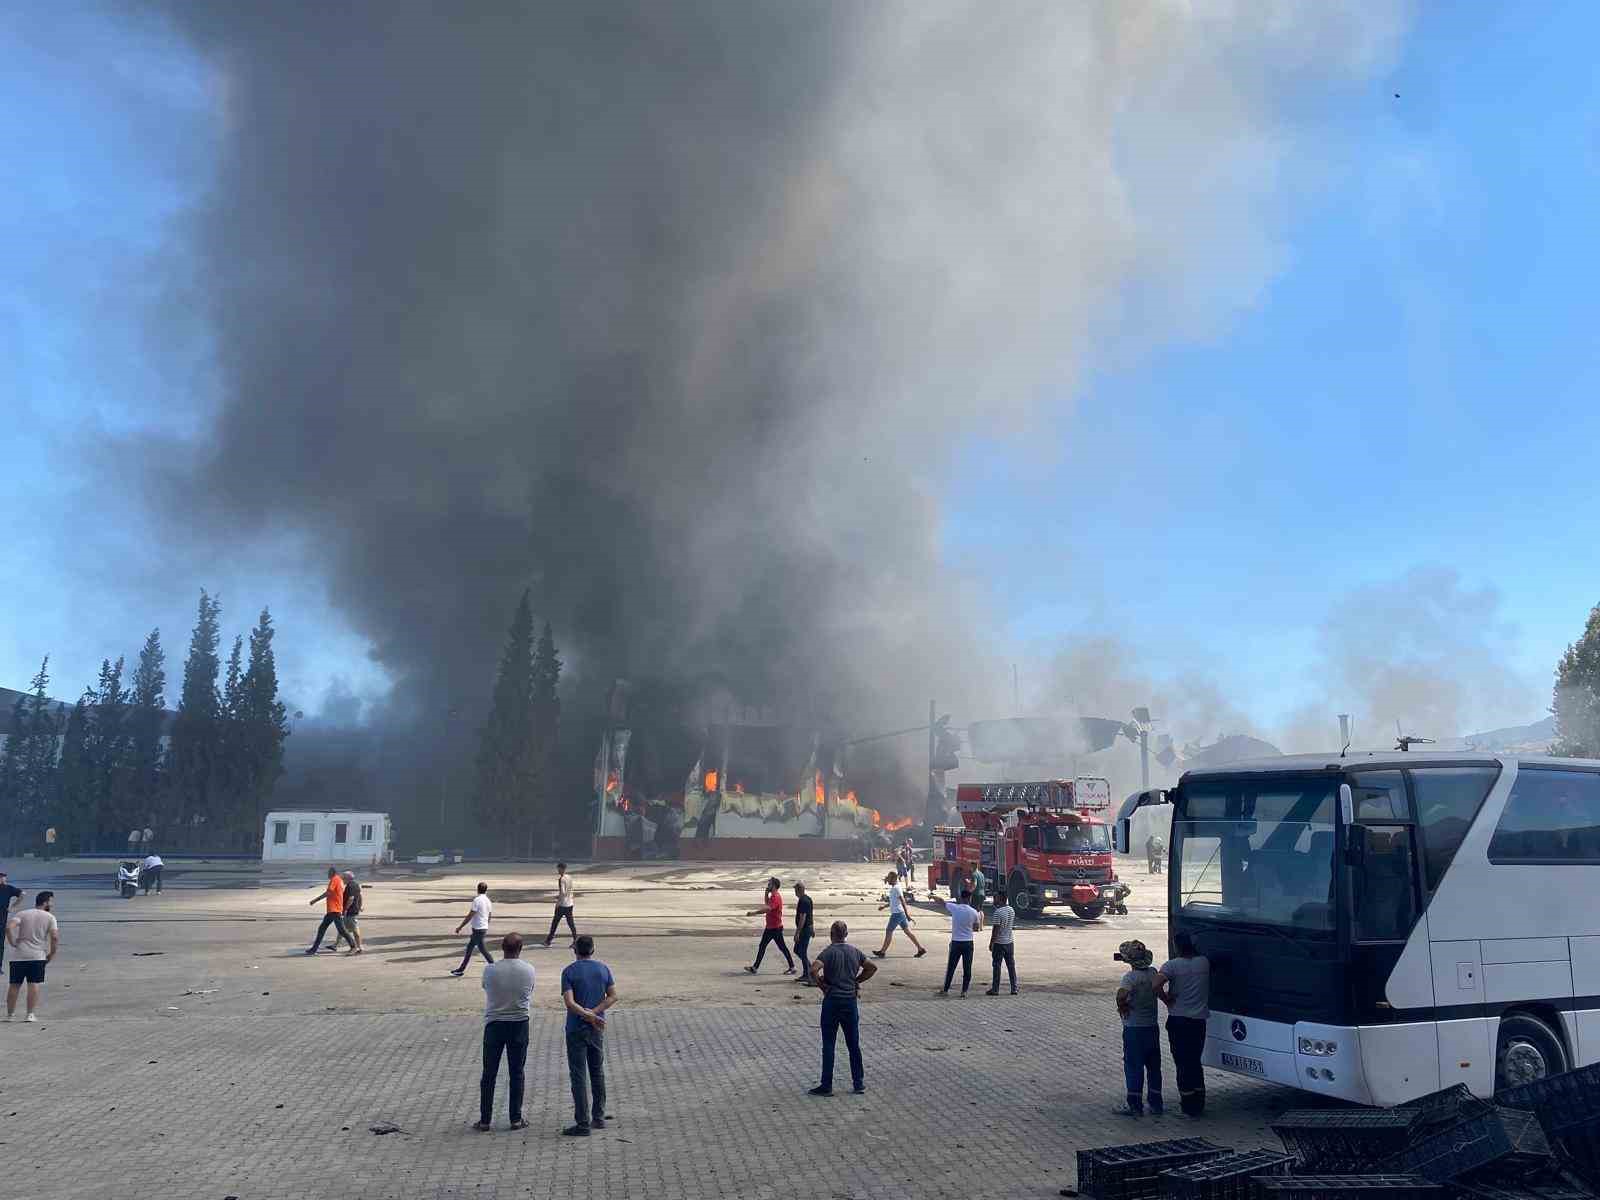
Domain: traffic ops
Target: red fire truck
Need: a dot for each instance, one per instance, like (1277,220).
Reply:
(1042,839)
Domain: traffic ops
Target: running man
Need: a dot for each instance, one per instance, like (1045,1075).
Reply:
(896,904)
(334,915)
(563,904)
(478,916)
(964,921)
(802,932)
(34,937)
(352,910)
(773,908)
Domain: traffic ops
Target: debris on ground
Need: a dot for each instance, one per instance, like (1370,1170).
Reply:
(383,1127)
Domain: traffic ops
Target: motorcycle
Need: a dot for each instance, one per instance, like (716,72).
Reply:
(127,881)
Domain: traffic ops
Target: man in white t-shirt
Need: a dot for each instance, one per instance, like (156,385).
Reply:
(896,904)
(964,922)
(150,873)
(34,937)
(1001,922)
(478,917)
(563,904)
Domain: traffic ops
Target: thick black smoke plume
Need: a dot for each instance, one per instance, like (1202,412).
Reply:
(677,312)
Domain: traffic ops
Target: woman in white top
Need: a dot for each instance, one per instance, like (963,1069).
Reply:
(896,904)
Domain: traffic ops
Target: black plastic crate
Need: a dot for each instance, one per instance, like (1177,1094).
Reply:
(1579,1149)
(1230,1178)
(1550,1184)
(1446,1107)
(1503,1137)
(1343,1141)
(1348,1187)
(1562,1102)
(1134,1172)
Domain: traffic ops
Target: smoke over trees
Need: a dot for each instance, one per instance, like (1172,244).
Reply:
(678,316)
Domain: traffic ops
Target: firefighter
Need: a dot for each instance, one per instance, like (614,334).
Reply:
(1155,849)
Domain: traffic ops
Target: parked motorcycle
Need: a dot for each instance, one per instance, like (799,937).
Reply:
(127,881)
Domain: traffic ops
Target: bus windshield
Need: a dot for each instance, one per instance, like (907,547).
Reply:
(1077,839)
(1257,849)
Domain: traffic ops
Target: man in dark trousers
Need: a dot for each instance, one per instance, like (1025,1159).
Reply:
(802,932)
(563,904)
(334,915)
(508,999)
(1184,985)
(839,971)
(352,909)
(587,990)
(478,917)
(964,921)
(1002,921)
(8,893)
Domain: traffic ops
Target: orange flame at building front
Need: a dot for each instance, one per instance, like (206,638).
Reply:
(711,781)
(821,794)
(898,824)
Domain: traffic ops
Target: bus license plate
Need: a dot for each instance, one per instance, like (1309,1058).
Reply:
(1253,1066)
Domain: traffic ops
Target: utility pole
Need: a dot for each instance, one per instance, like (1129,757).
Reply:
(1144,760)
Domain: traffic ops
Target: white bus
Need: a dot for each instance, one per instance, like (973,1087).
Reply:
(1384,925)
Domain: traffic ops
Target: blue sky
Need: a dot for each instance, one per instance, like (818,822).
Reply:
(1414,390)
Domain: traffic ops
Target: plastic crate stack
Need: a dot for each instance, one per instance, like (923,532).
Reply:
(1232,1177)
(1339,1141)
(1567,1107)
(1134,1172)
(1349,1187)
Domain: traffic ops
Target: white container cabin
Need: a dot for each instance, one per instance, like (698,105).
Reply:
(337,836)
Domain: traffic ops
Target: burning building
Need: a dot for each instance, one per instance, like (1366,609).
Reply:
(696,773)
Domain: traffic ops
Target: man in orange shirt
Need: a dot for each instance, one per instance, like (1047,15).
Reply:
(334,915)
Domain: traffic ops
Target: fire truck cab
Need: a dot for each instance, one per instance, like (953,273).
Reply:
(1041,840)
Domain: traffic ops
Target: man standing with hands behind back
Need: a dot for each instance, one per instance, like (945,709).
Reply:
(587,989)
(839,971)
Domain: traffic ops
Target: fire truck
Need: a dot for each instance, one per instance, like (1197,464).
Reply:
(1043,840)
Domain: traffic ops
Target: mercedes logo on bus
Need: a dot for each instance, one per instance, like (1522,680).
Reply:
(1237,1029)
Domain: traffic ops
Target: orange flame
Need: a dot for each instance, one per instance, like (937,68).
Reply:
(877,817)
(821,794)
(850,797)
(738,788)
(896,825)
(711,781)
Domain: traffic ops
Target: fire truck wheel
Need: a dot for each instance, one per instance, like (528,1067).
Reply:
(1020,897)
(1088,912)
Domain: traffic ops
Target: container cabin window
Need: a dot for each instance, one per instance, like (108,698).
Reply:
(280,833)
(341,833)
(308,831)
(366,833)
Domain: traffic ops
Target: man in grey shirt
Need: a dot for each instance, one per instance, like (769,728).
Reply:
(1141,1036)
(1184,985)
(508,997)
(1001,922)
(839,971)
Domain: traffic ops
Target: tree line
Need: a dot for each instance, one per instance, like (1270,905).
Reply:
(110,765)
(1577,694)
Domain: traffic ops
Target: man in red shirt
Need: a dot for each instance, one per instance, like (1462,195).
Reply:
(773,908)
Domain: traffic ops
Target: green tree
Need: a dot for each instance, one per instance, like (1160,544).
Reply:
(30,763)
(146,722)
(229,769)
(75,805)
(546,735)
(507,764)
(260,722)
(1577,694)
(105,750)
(192,750)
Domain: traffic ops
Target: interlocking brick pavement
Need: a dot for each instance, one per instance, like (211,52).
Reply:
(964,1097)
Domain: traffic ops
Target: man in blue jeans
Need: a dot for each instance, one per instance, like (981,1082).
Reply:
(587,990)
(839,971)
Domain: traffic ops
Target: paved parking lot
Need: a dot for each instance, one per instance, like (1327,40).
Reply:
(226,1092)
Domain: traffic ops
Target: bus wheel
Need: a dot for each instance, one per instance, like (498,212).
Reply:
(1088,912)
(1527,1052)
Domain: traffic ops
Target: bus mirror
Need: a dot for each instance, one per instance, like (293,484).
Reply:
(1122,835)
(1347,804)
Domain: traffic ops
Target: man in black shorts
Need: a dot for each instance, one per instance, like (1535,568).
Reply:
(34,938)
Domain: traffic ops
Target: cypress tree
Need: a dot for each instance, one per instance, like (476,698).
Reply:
(76,816)
(30,762)
(507,764)
(145,720)
(192,751)
(105,749)
(546,736)
(230,769)
(262,722)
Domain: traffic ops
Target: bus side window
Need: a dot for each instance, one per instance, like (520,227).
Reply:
(1448,798)
(1550,817)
